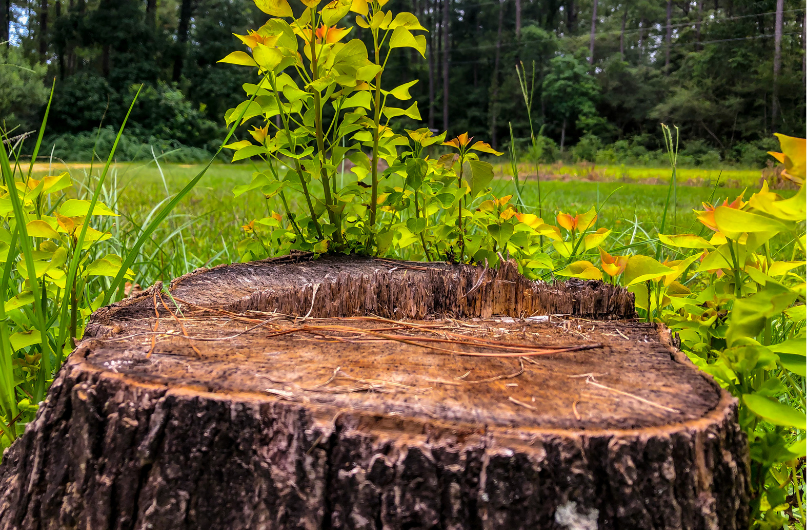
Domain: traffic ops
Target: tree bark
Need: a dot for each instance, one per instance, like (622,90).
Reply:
(563,135)
(494,93)
(446,59)
(43,30)
(777,62)
(571,17)
(518,18)
(183,29)
(668,38)
(265,429)
(151,13)
(5,23)
(622,33)
(698,26)
(593,33)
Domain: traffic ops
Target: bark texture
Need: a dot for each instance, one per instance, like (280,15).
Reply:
(222,427)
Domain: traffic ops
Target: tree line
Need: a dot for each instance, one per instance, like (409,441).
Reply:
(727,72)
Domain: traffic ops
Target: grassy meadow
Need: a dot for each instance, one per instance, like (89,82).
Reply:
(207,225)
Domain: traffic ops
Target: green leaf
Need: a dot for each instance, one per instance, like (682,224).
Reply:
(80,208)
(416,225)
(501,233)
(23,339)
(258,181)
(383,241)
(239,58)
(795,346)
(416,169)
(643,268)
(794,363)
(774,412)
(481,174)
(403,38)
(249,151)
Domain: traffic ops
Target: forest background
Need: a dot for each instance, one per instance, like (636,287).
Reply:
(728,73)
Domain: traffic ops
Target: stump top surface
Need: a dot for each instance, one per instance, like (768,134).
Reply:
(229,340)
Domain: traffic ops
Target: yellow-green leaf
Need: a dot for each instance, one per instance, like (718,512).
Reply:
(18,301)
(239,58)
(80,208)
(733,222)
(402,92)
(685,241)
(774,412)
(276,8)
(581,269)
(403,38)
(39,228)
(23,339)
(643,268)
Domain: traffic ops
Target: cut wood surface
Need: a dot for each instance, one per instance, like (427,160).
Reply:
(350,392)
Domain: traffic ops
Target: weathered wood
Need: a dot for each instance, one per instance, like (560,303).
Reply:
(258,408)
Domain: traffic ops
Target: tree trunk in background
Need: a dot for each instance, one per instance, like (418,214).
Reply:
(105,67)
(434,35)
(777,61)
(593,30)
(61,48)
(5,22)
(563,135)
(185,14)
(43,29)
(622,34)
(642,24)
(446,45)
(494,96)
(698,26)
(518,20)
(668,38)
(570,17)
(151,13)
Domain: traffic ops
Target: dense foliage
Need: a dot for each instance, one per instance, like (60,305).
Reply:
(710,67)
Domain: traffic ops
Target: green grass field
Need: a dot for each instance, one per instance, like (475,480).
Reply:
(206,227)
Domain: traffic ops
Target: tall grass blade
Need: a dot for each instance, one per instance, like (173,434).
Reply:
(145,235)
(79,246)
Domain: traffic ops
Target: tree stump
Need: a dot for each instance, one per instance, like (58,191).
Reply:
(363,393)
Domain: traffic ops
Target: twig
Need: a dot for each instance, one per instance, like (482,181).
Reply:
(517,402)
(156,325)
(478,282)
(574,409)
(181,325)
(313,297)
(590,380)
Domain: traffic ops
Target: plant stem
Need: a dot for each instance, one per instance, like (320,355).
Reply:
(333,216)
(459,210)
(376,132)
(297,167)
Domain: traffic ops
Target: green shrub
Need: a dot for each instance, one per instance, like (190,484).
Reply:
(22,90)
